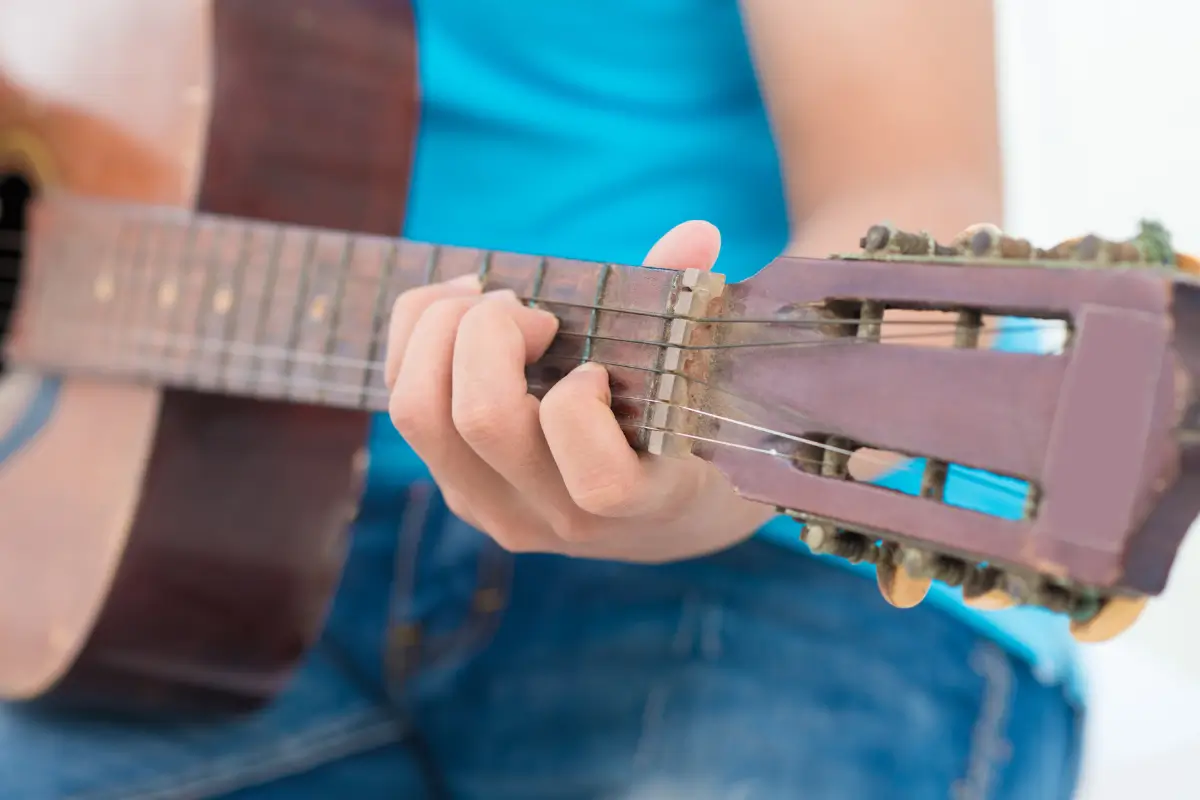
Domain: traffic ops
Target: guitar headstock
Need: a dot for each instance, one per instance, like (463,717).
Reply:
(1078,466)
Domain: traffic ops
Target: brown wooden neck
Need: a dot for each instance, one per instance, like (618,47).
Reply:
(249,307)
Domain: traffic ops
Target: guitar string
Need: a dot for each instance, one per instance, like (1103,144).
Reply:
(300,383)
(867,458)
(133,272)
(942,327)
(330,361)
(296,383)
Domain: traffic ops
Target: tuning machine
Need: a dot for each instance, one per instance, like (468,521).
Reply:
(904,575)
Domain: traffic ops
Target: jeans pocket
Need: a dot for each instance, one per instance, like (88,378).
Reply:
(451,588)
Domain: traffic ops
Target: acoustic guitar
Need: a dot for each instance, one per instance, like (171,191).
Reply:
(199,254)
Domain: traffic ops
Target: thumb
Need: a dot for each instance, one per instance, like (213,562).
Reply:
(689,245)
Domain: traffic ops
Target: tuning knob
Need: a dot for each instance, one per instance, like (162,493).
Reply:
(1188,263)
(995,600)
(896,581)
(985,589)
(1116,616)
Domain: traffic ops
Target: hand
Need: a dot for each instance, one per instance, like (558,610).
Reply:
(555,475)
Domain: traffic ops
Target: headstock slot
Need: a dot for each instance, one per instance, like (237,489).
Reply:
(1092,473)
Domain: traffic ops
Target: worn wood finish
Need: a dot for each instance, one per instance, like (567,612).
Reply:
(216,575)
(1107,430)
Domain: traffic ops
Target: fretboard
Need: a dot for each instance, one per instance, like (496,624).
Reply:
(253,308)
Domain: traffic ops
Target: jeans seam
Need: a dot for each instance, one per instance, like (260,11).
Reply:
(481,626)
(494,573)
(989,747)
(336,739)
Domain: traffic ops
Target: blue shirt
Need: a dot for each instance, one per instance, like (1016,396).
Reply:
(587,130)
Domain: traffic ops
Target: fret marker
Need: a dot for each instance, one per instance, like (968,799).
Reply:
(317,310)
(167,295)
(102,288)
(222,300)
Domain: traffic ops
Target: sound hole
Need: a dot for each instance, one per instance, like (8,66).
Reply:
(15,193)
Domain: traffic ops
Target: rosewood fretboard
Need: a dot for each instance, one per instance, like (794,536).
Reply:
(254,308)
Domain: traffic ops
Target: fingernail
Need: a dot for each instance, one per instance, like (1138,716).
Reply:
(597,374)
(592,371)
(501,296)
(469,281)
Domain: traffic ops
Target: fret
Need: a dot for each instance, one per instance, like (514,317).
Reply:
(271,310)
(635,289)
(216,307)
(163,333)
(352,334)
(285,304)
(155,328)
(335,390)
(597,304)
(485,266)
(372,379)
(316,318)
(572,282)
(515,272)
(140,291)
(250,308)
(96,316)
(538,277)
(452,262)
(90,305)
(181,292)
(431,265)
(128,259)
(414,264)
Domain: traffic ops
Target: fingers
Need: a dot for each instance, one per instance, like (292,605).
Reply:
(421,408)
(409,307)
(527,473)
(491,406)
(601,472)
(689,245)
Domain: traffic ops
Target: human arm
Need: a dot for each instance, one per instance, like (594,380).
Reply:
(557,475)
(881,111)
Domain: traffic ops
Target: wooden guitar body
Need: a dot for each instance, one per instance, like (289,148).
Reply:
(170,548)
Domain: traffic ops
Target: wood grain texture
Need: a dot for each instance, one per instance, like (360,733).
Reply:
(239,537)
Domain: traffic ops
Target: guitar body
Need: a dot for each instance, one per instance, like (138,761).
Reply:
(177,550)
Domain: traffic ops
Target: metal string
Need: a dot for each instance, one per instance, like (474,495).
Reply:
(356,394)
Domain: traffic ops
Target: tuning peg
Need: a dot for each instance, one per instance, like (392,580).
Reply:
(896,583)
(979,240)
(1115,617)
(986,589)
(1187,263)
(995,600)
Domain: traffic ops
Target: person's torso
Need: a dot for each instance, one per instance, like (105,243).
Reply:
(587,130)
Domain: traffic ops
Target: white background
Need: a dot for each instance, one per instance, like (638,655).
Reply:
(1101,104)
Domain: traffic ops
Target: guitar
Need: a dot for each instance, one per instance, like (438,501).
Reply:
(202,334)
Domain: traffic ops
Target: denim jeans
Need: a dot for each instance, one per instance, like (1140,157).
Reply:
(452,669)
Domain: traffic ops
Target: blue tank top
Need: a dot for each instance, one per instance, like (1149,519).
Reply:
(589,129)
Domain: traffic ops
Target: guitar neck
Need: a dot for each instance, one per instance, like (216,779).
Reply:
(751,380)
(255,308)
